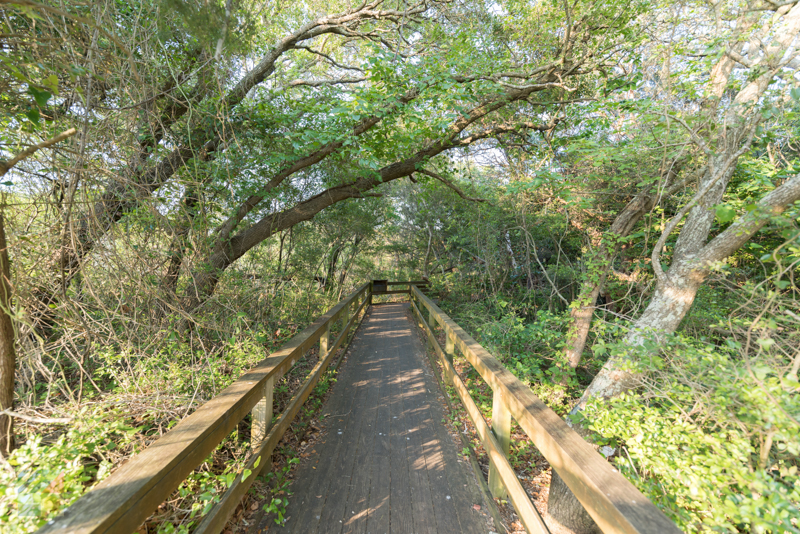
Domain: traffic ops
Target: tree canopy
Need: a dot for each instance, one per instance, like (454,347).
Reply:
(604,193)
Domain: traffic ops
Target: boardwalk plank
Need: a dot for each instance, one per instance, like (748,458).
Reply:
(389,470)
(460,477)
(414,403)
(401,518)
(380,481)
(305,507)
(333,513)
(357,509)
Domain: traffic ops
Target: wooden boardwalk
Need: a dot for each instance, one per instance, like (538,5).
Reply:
(387,463)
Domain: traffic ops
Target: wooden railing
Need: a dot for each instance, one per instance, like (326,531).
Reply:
(381,287)
(122,502)
(613,502)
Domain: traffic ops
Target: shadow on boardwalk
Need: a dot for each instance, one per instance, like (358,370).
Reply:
(387,463)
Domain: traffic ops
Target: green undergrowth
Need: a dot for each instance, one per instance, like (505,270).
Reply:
(47,474)
(712,435)
(531,347)
(716,446)
(139,395)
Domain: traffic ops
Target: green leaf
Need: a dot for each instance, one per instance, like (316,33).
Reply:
(51,82)
(41,97)
(33,115)
(246,473)
(761,371)
(725,213)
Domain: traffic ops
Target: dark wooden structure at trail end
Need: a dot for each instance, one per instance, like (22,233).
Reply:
(389,467)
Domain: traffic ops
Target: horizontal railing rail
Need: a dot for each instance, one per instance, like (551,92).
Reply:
(613,502)
(381,287)
(122,502)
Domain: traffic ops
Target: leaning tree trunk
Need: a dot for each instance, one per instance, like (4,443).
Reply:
(600,261)
(581,315)
(670,303)
(677,289)
(8,356)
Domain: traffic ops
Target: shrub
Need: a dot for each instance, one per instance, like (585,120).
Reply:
(43,478)
(713,440)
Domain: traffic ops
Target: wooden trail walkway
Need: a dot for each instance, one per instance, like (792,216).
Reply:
(387,463)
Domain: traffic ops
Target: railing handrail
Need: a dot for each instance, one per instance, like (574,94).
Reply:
(123,501)
(613,502)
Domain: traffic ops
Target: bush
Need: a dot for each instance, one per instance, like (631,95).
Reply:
(713,440)
(43,478)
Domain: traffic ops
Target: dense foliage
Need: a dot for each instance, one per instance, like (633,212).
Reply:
(595,189)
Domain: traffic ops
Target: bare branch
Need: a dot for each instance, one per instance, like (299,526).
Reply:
(451,185)
(42,420)
(6,166)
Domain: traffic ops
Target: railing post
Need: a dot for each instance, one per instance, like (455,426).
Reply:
(350,309)
(432,325)
(370,294)
(262,416)
(450,352)
(501,425)
(421,318)
(324,339)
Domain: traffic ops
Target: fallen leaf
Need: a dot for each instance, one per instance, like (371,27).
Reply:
(57,484)
(476,506)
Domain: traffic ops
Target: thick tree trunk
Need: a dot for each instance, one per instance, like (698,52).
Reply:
(671,301)
(674,293)
(330,279)
(581,316)
(564,508)
(8,355)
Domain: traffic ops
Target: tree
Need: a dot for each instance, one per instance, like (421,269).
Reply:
(724,133)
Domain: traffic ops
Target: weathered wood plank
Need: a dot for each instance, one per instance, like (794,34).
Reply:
(379,512)
(401,515)
(443,506)
(450,352)
(262,415)
(305,507)
(333,513)
(421,495)
(462,482)
(501,426)
(612,501)
(356,508)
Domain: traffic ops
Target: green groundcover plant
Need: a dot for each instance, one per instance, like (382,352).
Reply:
(714,441)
